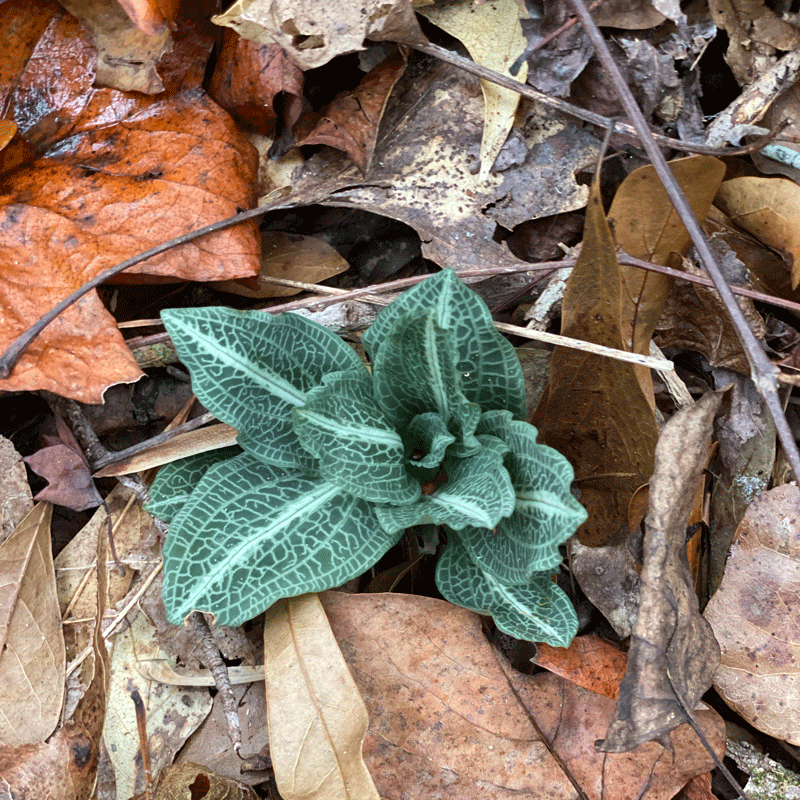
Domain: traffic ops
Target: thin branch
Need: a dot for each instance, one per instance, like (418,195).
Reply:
(763,372)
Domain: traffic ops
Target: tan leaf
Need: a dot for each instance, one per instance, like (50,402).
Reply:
(492,34)
(151,16)
(32,657)
(184,779)
(769,208)
(317,718)
(312,39)
(594,410)
(755,615)
(14,489)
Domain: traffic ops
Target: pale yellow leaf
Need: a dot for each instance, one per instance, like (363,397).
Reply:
(492,34)
(32,658)
(317,719)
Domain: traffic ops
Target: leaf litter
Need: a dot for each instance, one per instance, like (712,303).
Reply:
(87,176)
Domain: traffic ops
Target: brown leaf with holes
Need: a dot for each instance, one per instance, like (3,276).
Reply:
(116,174)
(351,121)
(755,615)
(594,410)
(32,656)
(673,652)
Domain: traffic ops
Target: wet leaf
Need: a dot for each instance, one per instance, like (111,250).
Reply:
(594,410)
(317,718)
(32,658)
(672,647)
(755,613)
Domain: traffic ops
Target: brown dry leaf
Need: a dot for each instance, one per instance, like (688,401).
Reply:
(594,410)
(589,661)
(311,39)
(628,14)
(695,318)
(293,257)
(14,489)
(746,455)
(446,723)
(769,208)
(350,123)
(126,56)
(173,712)
(186,780)
(672,647)
(755,614)
(646,226)
(492,33)
(249,76)
(70,483)
(317,718)
(32,657)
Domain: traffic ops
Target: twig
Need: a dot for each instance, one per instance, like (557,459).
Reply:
(763,372)
(599,120)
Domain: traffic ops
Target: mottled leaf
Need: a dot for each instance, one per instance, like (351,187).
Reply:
(250,535)
(251,369)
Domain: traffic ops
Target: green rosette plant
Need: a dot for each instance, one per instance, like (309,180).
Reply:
(335,461)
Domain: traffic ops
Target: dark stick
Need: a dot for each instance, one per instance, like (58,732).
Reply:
(763,372)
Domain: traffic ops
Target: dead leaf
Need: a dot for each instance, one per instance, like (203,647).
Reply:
(492,33)
(289,256)
(589,661)
(594,410)
(312,40)
(70,483)
(151,16)
(109,165)
(14,489)
(769,208)
(173,712)
(249,76)
(646,226)
(350,122)
(673,650)
(193,780)
(32,658)
(746,455)
(754,615)
(317,718)
(637,15)
(445,722)
(126,56)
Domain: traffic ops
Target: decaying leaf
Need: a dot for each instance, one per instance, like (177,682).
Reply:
(317,719)
(350,122)
(755,614)
(446,722)
(594,410)
(673,652)
(312,39)
(32,659)
(769,208)
(14,489)
(492,34)
(131,172)
(291,256)
(188,780)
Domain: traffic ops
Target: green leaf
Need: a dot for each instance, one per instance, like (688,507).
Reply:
(358,450)
(176,481)
(478,492)
(414,373)
(545,513)
(250,535)
(491,375)
(537,611)
(251,369)
(426,439)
